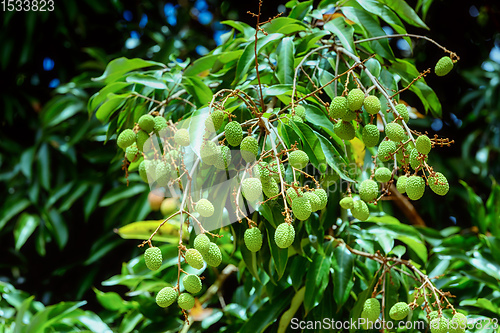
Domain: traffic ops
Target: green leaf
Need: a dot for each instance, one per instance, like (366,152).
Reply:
(300,10)
(11,209)
(20,317)
(476,207)
(130,321)
(285,69)
(317,278)
(44,171)
(99,97)
(280,256)
(120,193)
(311,145)
(247,30)
(120,66)
(202,64)
(113,103)
(198,89)
(342,275)
(112,301)
(146,80)
(250,258)
(405,12)
(332,156)
(284,25)
(482,303)
(25,226)
(343,31)
(358,306)
(58,228)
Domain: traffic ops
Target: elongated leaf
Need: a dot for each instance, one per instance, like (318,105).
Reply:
(280,256)
(169,232)
(102,95)
(25,226)
(300,10)
(405,12)
(11,209)
(358,306)
(285,25)
(317,278)
(287,316)
(285,69)
(333,158)
(342,274)
(119,194)
(343,31)
(146,80)
(311,145)
(116,68)
(202,64)
(198,89)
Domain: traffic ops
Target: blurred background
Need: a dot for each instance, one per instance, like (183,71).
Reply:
(61,196)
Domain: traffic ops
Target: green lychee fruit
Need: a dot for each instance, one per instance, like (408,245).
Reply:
(185,301)
(141,139)
(439,184)
(371,309)
(458,323)
(323,197)
(209,152)
(201,243)
(291,194)
(249,148)
(192,283)
(166,297)
(162,173)
(360,210)
(415,187)
(439,325)
(313,200)
(262,172)
(204,208)
(251,188)
(234,133)
(160,124)
(403,112)
(370,135)
(385,150)
(271,188)
(401,184)
(338,107)
(399,311)
(298,159)
(423,144)
(355,99)
(253,239)
(153,258)
(383,174)
(394,132)
(372,104)
(132,153)
(301,208)
(415,158)
(181,137)
(213,256)
(126,138)
(215,120)
(300,111)
(344,130)
(146,123)
(347,203)
(224,159)
(368,190)
(142,171)
(284,235)
(296,119)
(443,66)
(349,116)
(273,169)
(433,315)
(194,258)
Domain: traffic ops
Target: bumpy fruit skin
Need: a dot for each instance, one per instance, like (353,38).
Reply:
(209,152)
(162,173)
(415,159)
(403,112)
(253,239)
(224,159)
(261,171)
(217,119)
(142,171)
(273,168)
(201,243)
(439,325)
(194,259)
(131,153)
(301,208)
(192,283)
(423,144)
(394,132)
(213,256)
(370,135)
(313,200)
(439,184)
(205,208)
(344,130)
(347,203)
(291,194)
(284,235)
(300,111)
(166,297)
(415,187)
(385,150)
(153,258)
(251,188)
(383,174)
(338,107)
(443,66)
(368,190)
(372,104)
(399,311)
(355,99)
(360,210)
(146,123)
(296,119)
(181,137)
(323,197)
(249,148)
(271,188)
(349,116)
(185,301)
(141,139)
(126,138)
(371,309)
(234,133)
(458,323)
(401,184)
(433,315)
(160,124)
(298,159)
